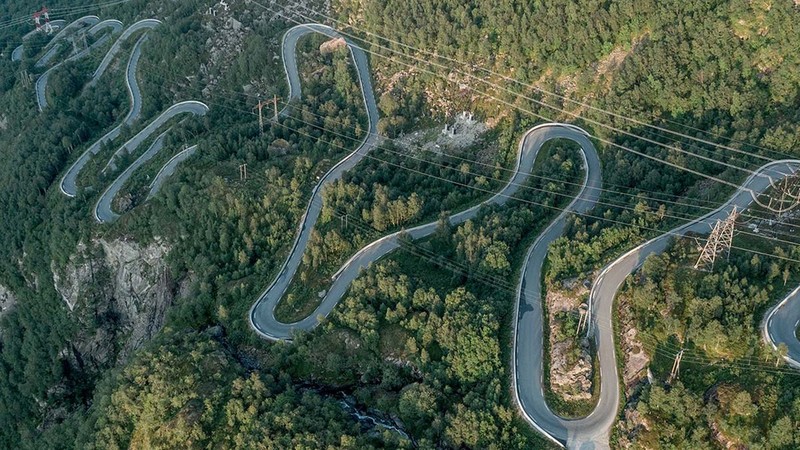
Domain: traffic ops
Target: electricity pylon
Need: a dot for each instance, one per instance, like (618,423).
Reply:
(785,196)
(719,241)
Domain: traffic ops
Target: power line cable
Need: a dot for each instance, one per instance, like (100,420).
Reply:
(518,82)
(519,108)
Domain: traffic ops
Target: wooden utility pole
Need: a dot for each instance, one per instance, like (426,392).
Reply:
(676,367)
(584,318)
(261,104)
(243,172)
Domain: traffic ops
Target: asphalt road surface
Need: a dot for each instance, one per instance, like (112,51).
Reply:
(591,432)
(51,49)
(262,317)
(168,169)
(102,210)
(68,185)
(41,82)
(145,24)
(781,325)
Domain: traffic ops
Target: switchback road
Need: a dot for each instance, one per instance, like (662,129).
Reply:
(103,211)
(41,82)
(586,433)
(69,184)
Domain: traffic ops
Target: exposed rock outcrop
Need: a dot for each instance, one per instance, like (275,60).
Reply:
(7,300)
(571,359)
(119,291)
(635,358)
(224,44)
(7,303)
(332,45)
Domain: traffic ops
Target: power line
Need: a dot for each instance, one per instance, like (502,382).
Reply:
(611,204)
(715,362)
(66,11)
(618,206)
(511,197)
(494,281)
(520,83)
(289,105)
(541,103)
(517,107)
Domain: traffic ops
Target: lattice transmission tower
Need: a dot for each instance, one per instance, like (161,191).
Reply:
(718,242)
(785,195)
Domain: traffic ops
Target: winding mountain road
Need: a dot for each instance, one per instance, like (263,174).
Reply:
(591,432)
(51,49)
(146,24)
(262,313)
(16,55)
(41,82)
(69,185)
(528,353)
(102,210)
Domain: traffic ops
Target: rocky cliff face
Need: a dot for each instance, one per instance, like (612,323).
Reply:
(119,292)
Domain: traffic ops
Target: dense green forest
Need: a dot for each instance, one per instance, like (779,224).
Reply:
(729,390)
(423,339)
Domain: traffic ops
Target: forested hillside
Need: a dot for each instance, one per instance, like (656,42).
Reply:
(136,333)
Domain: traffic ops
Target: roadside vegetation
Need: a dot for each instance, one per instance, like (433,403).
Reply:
(432,348)
(367,203)
(732,388)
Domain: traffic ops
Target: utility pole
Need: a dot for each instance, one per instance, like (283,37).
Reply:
(260,106)
(584,318)
(260,116)
(243,172)
(720,240)
(676,367)
(26,79)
